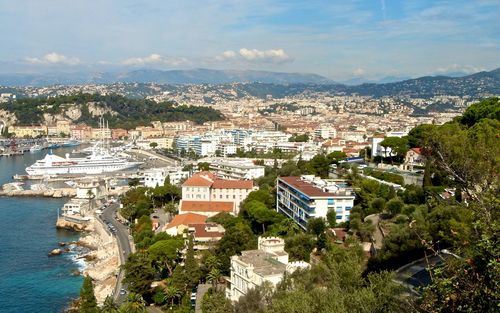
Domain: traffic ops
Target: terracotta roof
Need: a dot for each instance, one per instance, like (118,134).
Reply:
(186,219)
(232,184)
(305,187)
(200,231)
(206,206)
(201,179)
(417,150)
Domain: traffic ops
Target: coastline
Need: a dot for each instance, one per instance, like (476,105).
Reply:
(102,260)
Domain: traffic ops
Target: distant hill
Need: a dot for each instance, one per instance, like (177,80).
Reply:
(195,76)
(262,84)
(480,84)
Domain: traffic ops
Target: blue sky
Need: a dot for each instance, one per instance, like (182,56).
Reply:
(338,39)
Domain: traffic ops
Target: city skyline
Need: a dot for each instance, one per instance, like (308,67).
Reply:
(335,39)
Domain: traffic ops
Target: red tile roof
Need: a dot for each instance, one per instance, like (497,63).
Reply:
(305,187)
(232,184)
(206,206)
(201,179)
(200,231)
(186,219)
(417,150)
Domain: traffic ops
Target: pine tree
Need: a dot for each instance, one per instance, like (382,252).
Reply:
(88,302)
(191,265)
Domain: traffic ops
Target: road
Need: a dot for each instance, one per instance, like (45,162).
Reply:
(156,156)
(124,248)
(202,289)
(377,235)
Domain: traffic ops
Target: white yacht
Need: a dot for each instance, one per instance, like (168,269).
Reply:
(36,148)
(98,162)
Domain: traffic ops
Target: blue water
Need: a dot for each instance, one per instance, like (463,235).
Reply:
(30,281)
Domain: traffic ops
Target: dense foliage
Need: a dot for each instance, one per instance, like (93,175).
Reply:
(122,112)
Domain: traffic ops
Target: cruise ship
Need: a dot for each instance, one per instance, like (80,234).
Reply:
(97,163)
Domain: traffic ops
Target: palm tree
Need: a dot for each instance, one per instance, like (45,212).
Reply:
(134,304)
(212,262)
(90,196)
(171,293)
(213,276)
(109,306)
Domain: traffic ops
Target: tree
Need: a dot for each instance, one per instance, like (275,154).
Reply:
(378,205)
(398,146)
(394,206)
(316,226)
(153,145)
(90,196)
(300,246)
(212,262)
(259,215)
(191,265)
(215,302)
(109,306)
(237,238)
(319,166)
(331,217)
(172,293)
(88,302)
(213,276)
(336,156)
(134,304)
(139,273)
(165,253)
(204,166)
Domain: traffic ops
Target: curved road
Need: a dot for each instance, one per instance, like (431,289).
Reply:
(124,247)
(377,235)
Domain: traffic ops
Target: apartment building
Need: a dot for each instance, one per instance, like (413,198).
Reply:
(303,197)
(253,268)
(28,131)
(236,169)
(206,187)
(81,132)
(156,176)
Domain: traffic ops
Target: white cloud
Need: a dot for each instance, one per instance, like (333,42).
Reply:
(54,58)
(358,72)
(255,55)
(156,59)
(466,69)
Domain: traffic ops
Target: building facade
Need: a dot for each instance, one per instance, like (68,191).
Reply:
(228,169)
(253,268)
(303,197)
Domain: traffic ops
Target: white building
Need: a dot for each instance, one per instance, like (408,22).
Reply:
(75,206)
(325,131)
(90,188)
(307,196)
(236,169)
(253,268)
(156,176)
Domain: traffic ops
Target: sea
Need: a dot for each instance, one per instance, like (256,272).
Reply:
(30,280)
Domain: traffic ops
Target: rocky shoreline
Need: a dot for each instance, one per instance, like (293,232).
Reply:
(102,261)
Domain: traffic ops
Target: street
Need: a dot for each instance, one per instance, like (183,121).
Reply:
(122,235)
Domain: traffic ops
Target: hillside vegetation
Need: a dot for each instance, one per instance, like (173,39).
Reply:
(120,111)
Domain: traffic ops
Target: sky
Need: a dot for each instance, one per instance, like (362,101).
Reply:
(339,39)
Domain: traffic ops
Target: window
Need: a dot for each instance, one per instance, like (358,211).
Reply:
(331,202)
(348,208)
(339,217)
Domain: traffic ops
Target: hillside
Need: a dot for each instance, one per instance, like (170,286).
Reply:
(118,110)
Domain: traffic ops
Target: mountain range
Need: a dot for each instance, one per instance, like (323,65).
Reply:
(481,84)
